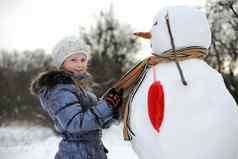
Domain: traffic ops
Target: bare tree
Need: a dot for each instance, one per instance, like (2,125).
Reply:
(113,48)
(223,53)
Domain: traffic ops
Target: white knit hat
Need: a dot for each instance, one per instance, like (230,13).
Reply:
(66,47)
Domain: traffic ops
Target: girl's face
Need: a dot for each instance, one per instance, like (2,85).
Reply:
(76,63)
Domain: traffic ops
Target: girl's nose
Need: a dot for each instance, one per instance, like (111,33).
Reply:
(79,65)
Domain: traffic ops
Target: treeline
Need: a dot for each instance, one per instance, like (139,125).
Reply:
(16,72)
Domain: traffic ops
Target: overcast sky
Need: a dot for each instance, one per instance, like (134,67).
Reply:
(31,24)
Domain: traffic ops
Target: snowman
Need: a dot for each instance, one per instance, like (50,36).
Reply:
(181,108)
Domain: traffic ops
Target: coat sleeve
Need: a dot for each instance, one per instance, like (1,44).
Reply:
(64,106)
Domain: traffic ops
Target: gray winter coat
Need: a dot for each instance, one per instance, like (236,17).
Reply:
(77,114)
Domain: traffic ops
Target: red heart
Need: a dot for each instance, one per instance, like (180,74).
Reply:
(156,104)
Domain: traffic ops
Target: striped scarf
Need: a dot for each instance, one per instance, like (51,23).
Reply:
(130,81)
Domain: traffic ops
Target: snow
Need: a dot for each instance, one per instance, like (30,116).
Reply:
(32,141)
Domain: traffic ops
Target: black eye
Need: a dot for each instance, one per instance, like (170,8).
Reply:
(155,23)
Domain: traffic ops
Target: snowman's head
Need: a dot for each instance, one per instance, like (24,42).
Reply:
(189,28)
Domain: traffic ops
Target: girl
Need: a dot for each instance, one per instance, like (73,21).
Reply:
(78,115)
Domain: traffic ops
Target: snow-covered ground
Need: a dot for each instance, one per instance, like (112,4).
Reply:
(27,142)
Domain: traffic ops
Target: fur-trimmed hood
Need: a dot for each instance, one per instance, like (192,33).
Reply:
(49,79)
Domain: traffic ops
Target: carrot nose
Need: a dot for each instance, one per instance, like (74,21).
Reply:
(146,35)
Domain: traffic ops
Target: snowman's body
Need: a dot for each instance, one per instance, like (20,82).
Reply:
(200,119)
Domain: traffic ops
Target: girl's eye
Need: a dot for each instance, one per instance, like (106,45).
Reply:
(155,23)
(73,60)
(83,60)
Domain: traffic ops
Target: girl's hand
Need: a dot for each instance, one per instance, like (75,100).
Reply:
(114,98)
